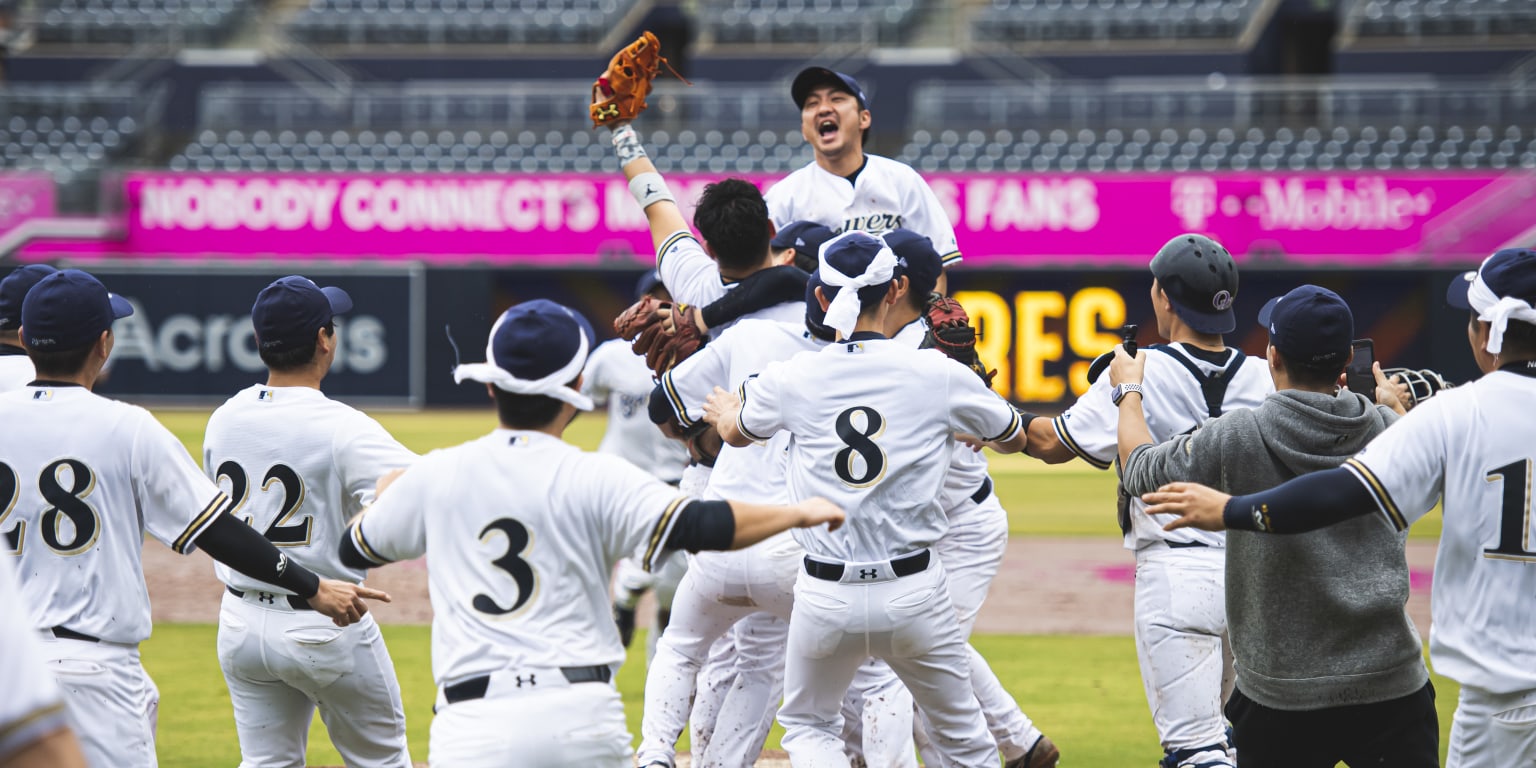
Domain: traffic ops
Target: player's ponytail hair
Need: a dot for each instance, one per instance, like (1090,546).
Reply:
(732,217)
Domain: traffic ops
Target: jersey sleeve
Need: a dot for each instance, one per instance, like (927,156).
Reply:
(394,528)
(689,274)
(688,384)
(1091,427)
(1404,467)
(366,453)
(176,500)
(762,403)
(926,216)
(634,512)
(593,381)
(975,409)
(33,706)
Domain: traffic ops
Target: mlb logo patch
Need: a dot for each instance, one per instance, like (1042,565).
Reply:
(855,347)
(266,395)
(43,394)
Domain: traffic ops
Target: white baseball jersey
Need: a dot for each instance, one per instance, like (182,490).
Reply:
(617,376)
(16,369)
(1174,404)
(692,277)
(521,531)
(1472,447)
(967,468)
(298,466)
(876,450)
(756,472)
(885,195)
(32,706)
(83,479)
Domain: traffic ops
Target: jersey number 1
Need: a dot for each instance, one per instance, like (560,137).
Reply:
(1514,512)
(281,532)
(63,504)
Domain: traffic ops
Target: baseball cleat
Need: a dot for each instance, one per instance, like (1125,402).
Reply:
(1043,754)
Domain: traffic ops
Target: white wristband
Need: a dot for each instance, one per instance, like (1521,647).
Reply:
(649,188)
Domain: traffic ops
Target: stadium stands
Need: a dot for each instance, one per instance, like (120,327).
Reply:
(1480,19)
(129,22)
(439,22)
(807,22)
(72,132)
(1048,21)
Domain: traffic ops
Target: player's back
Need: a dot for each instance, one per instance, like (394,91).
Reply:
(82,479)
(297,466)
(525,530)
(15,368)
(872,424)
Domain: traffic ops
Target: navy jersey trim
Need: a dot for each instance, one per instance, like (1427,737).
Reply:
(740,423)
(1060,423)
(678,408)
(202,521)
(659,533)
(1379,492)
(363,548)
(1010,431)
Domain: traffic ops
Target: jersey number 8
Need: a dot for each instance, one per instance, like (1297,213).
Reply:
(862,463)
(64,504)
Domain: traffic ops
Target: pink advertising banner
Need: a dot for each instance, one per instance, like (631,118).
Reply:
(24,196)
(1350,218)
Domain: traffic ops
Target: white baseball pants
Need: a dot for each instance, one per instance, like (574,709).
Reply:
(1181,642)
(1492,730)
(281,664)
(554,726)
(910,623)
(112,704)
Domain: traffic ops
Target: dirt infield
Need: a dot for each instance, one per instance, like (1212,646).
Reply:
(1068,586)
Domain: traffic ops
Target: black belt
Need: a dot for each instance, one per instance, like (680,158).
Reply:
(475,687)
(983,492)
(64,633)
(1186,544)
(294,601)
(905,565)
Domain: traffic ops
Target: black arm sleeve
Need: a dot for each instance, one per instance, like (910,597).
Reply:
(351,556)
(1302,504)
(240,547)
(760,290)
(703,525)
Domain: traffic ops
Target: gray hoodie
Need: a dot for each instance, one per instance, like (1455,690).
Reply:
(1316,619)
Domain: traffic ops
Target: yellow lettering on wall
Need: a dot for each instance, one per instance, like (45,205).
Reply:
(1090,310)
(994,324)
(1035,347)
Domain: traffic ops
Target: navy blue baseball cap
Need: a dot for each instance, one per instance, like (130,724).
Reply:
(1507,273)
(815,316)
(1310,325)
(647,283)
(538,338)
(812,78)
(68,310)
(920,263)
(13,289)
(806,238)
(289,312)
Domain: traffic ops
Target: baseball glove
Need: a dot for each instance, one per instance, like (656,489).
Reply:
(619,93)
(646,325)
(1422,384)
(950,332)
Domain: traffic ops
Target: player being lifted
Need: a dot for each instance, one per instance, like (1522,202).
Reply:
(297,466)
(1469,448)
(521,530)
(83,480)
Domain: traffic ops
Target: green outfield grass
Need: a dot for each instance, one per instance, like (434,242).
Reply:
(1084,691)
(1069,499)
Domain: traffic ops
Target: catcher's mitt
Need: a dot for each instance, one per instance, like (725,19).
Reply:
(645,324)
(950,331)
(1422,384)
(619,93)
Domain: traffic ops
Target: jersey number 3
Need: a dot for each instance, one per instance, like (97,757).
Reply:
(66,503)
(282,532)
(512,562)
(862,463)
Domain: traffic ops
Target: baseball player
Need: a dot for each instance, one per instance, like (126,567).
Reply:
(724,588)
(846,188)
(297,466)
(876,588)
(1321,640)
(521,531)
(34,729)
(1468,448)
(86,478)
(15,367)
(1180,604)
(617,377)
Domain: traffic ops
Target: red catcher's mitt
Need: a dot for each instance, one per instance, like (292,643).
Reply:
(950,332)
(619,93)
(645,325)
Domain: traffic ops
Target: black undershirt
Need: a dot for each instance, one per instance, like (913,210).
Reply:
(865,336)
(853,178)
(1207,355)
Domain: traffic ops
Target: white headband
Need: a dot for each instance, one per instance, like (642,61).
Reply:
(1497,312)
(843,312)
(553,385)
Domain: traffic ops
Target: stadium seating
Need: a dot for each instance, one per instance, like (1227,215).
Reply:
(806,22)
(72,133)
(127,22)
(1048,21)
(1443,18)
(439,22)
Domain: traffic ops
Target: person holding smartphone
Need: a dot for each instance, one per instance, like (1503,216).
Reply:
(1323,645)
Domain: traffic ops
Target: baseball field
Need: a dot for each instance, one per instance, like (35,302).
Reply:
(1056,627)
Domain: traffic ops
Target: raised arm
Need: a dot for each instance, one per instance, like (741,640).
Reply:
(647,185)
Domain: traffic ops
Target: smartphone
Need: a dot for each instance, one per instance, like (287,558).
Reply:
(1358,375)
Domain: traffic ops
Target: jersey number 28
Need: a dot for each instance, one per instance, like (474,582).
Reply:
(66,502)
